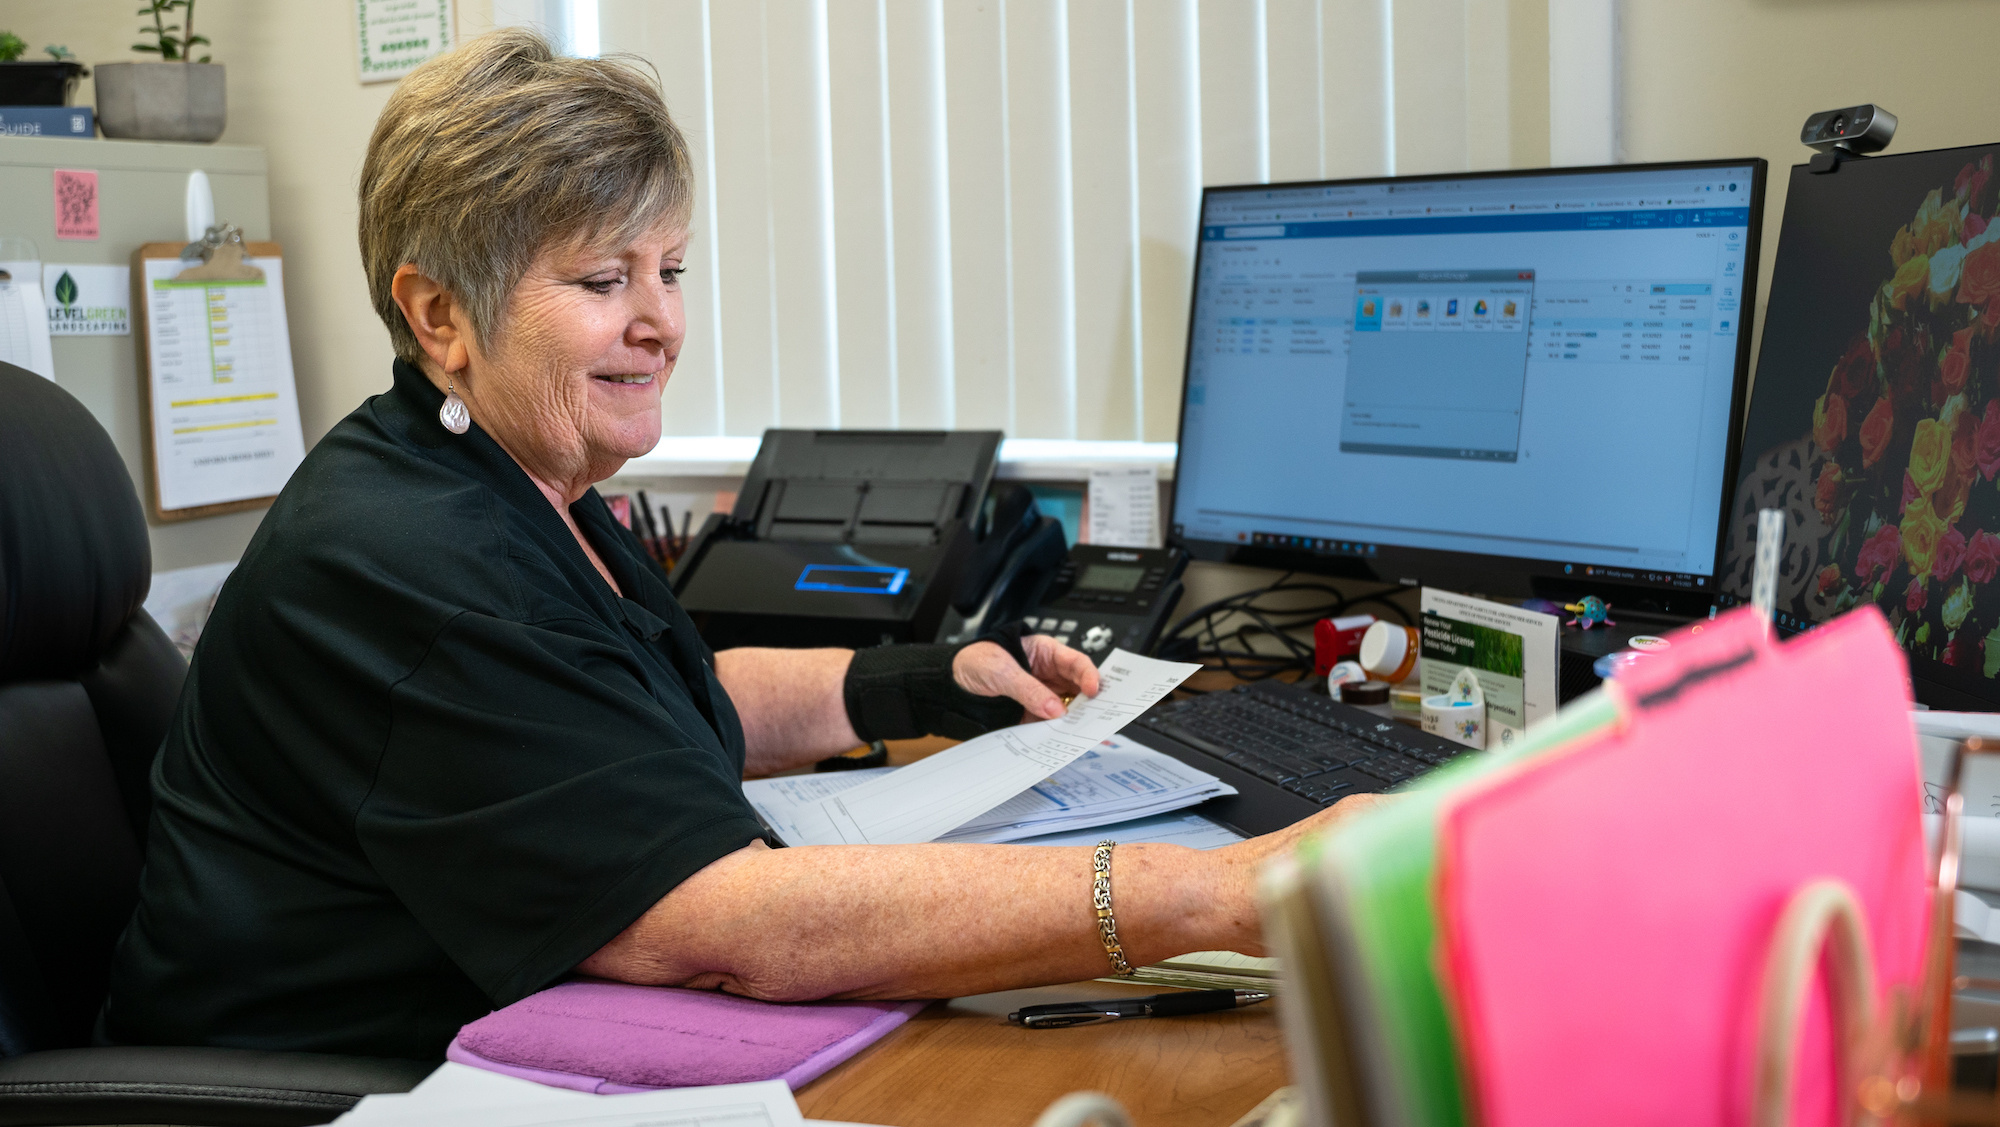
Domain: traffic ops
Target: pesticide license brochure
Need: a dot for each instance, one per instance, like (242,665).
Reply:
(1512,651)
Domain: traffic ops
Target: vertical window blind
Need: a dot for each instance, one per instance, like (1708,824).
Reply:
(981,213)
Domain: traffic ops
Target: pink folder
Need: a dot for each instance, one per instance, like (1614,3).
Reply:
(1606,915)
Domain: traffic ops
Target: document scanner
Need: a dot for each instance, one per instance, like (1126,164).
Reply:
(840,538)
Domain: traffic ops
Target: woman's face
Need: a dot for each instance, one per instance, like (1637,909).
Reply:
(570,382)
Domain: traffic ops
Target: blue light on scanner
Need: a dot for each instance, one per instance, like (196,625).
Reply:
(854,579)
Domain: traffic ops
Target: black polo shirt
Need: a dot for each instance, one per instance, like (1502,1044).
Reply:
(426,760)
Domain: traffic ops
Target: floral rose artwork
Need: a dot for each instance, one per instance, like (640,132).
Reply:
(1930,455)
(1830,421)
(1979,276)
(1921,532)
(1982,557)
(1957,363)
(1949,556)
(1876,431)
(1906,436)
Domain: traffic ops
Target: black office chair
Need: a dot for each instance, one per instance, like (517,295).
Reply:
(87,686)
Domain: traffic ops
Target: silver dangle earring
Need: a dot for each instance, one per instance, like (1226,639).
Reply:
(453,414)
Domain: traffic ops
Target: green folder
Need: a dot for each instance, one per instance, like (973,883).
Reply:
(1373,883)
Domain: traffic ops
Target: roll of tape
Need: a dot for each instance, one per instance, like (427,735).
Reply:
(1365,693)
(1343,673)
(1456,720)
(1459,713)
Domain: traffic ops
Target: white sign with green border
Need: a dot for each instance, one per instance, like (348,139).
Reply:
(397,36)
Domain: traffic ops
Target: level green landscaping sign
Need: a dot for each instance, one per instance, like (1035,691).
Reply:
(87,299)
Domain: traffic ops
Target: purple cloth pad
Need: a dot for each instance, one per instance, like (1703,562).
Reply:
(610,1037)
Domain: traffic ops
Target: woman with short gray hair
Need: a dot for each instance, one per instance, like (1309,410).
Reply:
(448,738)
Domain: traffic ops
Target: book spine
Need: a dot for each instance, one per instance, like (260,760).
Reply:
(47,121)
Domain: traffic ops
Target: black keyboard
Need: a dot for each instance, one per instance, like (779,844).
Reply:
(1307,744)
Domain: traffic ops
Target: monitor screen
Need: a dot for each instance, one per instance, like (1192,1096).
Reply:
(1875,418)
(1477,380)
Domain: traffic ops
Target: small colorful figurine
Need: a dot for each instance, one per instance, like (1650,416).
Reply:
(1591,611)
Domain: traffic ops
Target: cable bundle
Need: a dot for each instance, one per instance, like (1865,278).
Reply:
(1205,634)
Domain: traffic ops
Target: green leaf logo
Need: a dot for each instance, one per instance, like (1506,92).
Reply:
(66,289)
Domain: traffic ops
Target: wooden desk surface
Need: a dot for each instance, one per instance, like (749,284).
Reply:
(959,1064)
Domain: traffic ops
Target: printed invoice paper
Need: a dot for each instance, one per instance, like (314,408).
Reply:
(1115,782)
(933,796)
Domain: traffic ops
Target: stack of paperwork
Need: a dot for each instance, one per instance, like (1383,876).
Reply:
(1209,970)
(986,788)
(1180,828)
(1117,781)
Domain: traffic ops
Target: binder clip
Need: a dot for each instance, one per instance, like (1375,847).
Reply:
(220,252)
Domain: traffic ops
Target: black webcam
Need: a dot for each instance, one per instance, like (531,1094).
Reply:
(1855,130)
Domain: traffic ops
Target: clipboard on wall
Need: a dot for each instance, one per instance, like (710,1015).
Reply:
(221,425)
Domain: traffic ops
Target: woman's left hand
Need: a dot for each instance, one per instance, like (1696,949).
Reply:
(1058,671)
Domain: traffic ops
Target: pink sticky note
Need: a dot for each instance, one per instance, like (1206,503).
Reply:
(76,204)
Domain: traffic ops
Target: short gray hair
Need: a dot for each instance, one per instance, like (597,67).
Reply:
(488,155)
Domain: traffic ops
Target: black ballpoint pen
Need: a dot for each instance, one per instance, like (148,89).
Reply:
(1118,1009)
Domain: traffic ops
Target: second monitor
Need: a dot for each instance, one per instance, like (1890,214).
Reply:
(1512,383)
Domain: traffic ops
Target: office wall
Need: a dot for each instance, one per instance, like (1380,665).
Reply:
(1726,78)
(293,90)
(1699,78)
(139,189)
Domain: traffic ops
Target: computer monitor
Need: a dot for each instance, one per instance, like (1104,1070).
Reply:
(1511,383)
(1875,419)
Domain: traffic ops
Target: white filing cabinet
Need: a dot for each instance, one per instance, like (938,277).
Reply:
(141,192)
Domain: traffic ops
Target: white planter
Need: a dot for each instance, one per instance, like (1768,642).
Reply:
(161,101)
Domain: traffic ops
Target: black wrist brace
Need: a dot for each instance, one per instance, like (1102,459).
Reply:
(901,692)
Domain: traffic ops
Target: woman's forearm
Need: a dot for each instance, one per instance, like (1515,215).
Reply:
(790,703)
(927,921)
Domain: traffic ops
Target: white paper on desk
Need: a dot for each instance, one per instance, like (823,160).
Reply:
(1937,734)
(457,1087)
(1179,828)
(1973,918)
(1125,507)
(779,801)
(466,1101)
(24,320)
(1115,782)
(934,796)
(181,598)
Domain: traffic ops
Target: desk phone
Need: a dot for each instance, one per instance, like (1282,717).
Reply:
(1103,598)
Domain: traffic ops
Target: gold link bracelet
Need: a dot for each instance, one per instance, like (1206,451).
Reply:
(1100,898)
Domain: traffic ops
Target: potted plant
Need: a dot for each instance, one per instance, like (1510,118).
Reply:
(178,98)
(36,82)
